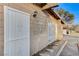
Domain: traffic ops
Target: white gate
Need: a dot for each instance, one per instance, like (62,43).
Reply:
(16,32)
(51,32)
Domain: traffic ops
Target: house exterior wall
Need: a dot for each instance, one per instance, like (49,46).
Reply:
(59,28)
(38,27)
(60,31)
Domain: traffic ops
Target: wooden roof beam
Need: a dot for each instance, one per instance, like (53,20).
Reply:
(41,5)
(50,5)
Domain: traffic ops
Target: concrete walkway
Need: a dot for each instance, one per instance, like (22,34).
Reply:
(71,48)
(53,49)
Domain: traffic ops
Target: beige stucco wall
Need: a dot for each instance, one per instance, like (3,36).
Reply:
(38,27)
(59,31)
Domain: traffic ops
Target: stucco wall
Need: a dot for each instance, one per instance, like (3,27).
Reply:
(59,31)
(39,32)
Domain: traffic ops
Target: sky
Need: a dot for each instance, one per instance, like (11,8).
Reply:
(72,8)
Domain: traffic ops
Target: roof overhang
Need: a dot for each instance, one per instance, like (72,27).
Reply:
(54,14)
(50,5)
(41,5)
(44,6)
(60,18)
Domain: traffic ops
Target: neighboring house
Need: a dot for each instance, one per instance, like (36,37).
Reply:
(66,30)
(69,29)
(45,27)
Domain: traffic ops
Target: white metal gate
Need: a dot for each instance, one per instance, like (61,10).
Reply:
(16,32)
(51,32)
